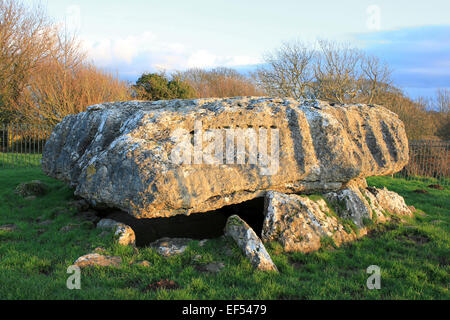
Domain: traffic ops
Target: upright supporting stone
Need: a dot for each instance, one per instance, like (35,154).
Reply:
(305,223)
(299,223)
(123,234)
(250,244)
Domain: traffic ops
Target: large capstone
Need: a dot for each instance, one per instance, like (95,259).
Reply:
(163,158)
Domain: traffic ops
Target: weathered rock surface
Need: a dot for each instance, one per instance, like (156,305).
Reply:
(358,204)
(32,189)
(123,234)
(143,263)
(250,243)
(304,223)
(383,200)
(212,267)
(107,224)
(122,154)
(350,203)
(171,246)
(300,223)
(8,227)
(95,259)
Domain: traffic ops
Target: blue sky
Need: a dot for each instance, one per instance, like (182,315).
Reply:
(135,36)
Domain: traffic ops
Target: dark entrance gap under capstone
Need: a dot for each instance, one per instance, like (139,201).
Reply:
(206,225)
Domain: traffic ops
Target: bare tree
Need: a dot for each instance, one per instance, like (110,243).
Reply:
(337,72)
(443,100)
(44,73)
(26,36)
(376,78)
(288,71)
(57,92)
(65,83)
(327,70)
(340,73)
(443,107)
(218,82)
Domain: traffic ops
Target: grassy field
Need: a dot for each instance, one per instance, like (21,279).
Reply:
(20,160)
(414,257)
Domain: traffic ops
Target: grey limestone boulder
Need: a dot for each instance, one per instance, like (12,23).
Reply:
(249,243)
(163,158)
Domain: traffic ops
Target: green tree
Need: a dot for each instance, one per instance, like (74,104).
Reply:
(153,86)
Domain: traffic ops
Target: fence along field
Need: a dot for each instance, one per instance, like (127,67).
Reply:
(21,146)
(428,159)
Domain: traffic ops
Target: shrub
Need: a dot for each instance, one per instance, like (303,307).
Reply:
(153,86)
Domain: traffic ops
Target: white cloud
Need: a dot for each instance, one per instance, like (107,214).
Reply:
(200,59)
(138,53)
(204,59)
(123,50)
(73,17)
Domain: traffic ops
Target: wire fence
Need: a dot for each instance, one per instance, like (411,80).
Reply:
(428,159)
(21,146)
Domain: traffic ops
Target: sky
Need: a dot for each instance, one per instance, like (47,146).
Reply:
(136,36)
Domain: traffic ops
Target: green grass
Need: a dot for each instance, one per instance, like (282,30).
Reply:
(442,180)
(414,258)
(19,160)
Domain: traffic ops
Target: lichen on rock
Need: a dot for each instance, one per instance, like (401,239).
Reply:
(302,223)
(249,243)
(123,234)
(95,259)
(120,155)
(168,247)
(299,223)
(33,188)
(159,159)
